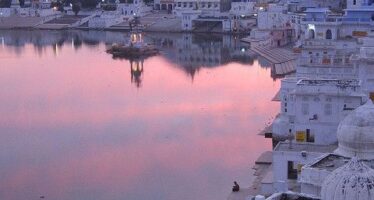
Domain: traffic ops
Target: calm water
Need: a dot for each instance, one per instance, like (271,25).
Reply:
(78,124)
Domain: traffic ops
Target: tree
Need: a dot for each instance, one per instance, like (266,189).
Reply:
(59,5)
(5,3)
(89,3)
(76,8)
(148,2)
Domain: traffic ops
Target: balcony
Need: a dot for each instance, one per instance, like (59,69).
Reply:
(326,20)
(337,20)
(328,61)
(315,43)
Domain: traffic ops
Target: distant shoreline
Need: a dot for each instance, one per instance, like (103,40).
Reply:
(123,30)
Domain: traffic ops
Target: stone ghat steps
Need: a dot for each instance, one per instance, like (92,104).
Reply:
(67,19)
(274,55)
(53,26)
(19,22)
(285,68)
(283,60)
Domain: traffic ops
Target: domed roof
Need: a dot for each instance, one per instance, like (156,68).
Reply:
(356,133)
(352,181)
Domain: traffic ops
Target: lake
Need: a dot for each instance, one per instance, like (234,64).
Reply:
(78,124)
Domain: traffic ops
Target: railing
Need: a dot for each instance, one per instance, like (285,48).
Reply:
(326,19)
(337,19)
(318,43)
(367,52)
(325,60)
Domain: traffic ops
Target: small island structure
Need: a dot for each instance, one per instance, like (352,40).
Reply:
(136,48)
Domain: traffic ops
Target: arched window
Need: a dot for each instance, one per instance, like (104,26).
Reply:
(328,34)
(354,2)
(311,34)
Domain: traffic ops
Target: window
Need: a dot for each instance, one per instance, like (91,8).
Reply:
(312,34)
(347,100)
(305,109)
(309,136)
(291,172)
(328,109)
(328,34)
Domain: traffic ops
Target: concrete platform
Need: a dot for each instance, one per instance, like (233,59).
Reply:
(243,194)
(52,26)
(265,158)
(19,22)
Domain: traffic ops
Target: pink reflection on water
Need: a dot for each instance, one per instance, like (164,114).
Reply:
(79,128)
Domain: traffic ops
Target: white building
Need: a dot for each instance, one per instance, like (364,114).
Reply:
(134,8)
(302,5)
(242,7)
(288,159)
(274,26)
(330,42)
(334,77)
(345,174)
(40,8)
(167,5)
(357,125)
(274,16)
(208,15)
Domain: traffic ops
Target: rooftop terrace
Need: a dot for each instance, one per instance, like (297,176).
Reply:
(308,147)
(332,82)
(331,162)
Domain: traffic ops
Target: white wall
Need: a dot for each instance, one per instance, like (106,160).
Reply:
(280,162)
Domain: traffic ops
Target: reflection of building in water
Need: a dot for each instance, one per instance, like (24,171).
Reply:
(40,38)
(189,51)
(195,51)
(263,62)
(2,42)
(136,67)
(200,52)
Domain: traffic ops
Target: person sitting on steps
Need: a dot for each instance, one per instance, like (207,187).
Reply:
(236,187)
